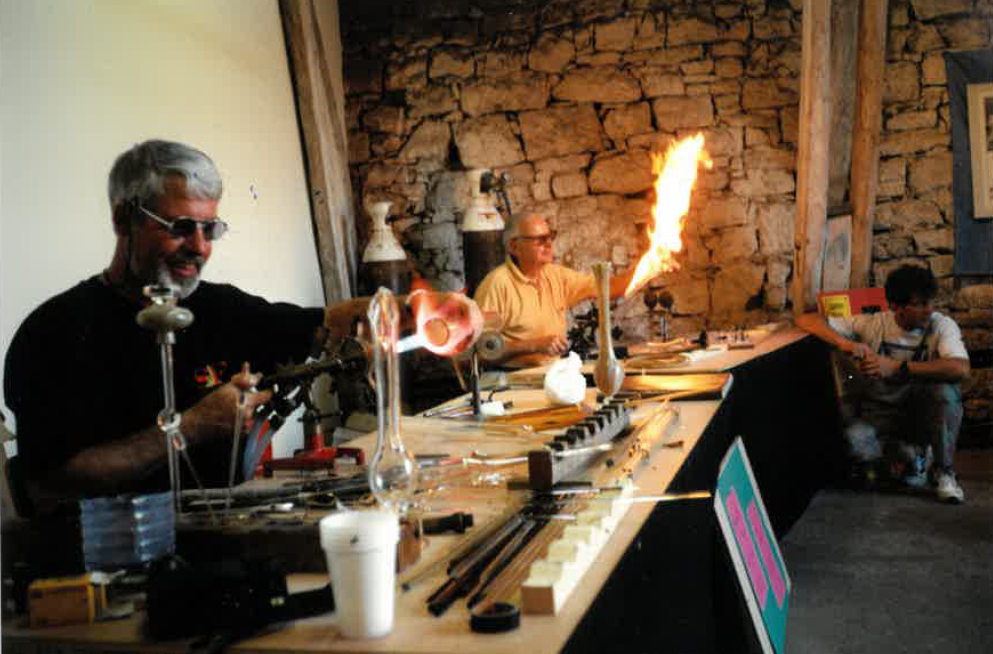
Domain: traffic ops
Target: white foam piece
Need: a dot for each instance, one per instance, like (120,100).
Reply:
(551,580)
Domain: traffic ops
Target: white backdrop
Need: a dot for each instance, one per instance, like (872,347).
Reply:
(82,80)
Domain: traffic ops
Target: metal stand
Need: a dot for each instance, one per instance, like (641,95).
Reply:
(666,301)
(474,380)
(489,347)
(316,453)
(164,317)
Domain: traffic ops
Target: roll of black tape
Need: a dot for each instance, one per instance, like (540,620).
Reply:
(496,618)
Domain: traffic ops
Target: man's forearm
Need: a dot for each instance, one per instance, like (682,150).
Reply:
(814,324)
(620,283)
(940,370)
(531,351)
(514,349)
(339,318)
(109,467)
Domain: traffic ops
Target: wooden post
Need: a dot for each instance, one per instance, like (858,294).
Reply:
(865,138)
(313,41)
(844,64)
(812,155)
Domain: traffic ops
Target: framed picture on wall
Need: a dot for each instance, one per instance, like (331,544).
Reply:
(980,101)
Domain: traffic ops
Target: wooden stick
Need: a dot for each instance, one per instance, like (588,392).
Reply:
(417,576)
(509,580)
(547,418)
(665,399)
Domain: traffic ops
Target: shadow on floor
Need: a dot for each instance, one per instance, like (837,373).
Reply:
(896,571)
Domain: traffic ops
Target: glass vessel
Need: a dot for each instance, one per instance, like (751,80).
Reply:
(393,470)
(608,372)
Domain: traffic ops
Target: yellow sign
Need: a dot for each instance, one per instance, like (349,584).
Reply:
(836,306)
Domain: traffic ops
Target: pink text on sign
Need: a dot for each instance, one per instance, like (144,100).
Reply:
(747,548)
(775,579)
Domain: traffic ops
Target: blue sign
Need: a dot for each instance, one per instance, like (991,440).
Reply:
(754,551)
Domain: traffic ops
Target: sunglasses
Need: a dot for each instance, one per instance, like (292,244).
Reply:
(541,239)
(185,226)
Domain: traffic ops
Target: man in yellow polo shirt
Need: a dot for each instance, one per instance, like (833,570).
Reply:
(531,294)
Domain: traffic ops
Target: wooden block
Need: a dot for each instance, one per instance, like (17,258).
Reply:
(552,579)
(548,466)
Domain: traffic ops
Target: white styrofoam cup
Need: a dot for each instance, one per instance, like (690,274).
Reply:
(361,550)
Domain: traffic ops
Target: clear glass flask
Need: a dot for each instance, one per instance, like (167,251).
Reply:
(393,471)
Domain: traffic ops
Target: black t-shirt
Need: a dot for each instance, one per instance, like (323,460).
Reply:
(80,371)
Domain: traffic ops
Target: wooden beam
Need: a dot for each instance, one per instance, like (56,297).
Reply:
(837,253)
(812,155)
(865,138)
(844,63)
(314,44)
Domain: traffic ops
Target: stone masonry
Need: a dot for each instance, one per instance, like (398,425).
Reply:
(914,215)
(569,97)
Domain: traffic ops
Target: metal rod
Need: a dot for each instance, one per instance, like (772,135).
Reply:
(465,574)
(515,573)
(603,447)
(239,419)
(505,558)
(474,362)
(668,397)
(459,551)
(665,497)
(168,416)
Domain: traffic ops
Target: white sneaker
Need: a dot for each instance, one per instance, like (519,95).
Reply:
(948,488)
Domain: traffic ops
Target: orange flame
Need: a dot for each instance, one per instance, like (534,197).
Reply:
(446,323)
(675,176)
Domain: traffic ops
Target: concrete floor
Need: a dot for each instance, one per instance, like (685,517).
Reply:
(894,571)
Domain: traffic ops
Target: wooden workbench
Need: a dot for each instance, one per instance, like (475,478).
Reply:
(704,427)
(721,360)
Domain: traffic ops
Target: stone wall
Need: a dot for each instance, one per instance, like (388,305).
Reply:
(914,215)
(972,308)
(570,96)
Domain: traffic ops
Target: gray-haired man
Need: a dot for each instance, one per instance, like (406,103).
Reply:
(99,435)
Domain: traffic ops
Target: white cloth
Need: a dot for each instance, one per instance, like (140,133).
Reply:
(564,381)
(494,408)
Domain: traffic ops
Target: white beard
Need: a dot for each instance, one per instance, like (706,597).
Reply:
(183,287)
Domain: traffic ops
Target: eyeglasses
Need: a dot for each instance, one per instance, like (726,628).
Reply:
(541,239)
(185,226)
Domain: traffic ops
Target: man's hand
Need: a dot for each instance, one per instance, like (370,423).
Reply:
(554,345)
(857,351)
(876,366)
(213,416)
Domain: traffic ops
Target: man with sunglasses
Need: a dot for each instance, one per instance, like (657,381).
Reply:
(532,294)
(910,361)
(98,436)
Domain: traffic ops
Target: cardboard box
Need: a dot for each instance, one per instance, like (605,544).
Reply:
(66,600)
